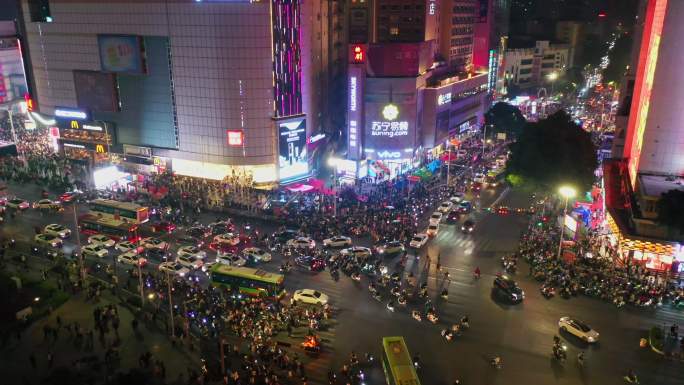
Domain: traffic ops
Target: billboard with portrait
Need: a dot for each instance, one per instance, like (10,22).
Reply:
(122,53)
(293,161)
(96,91)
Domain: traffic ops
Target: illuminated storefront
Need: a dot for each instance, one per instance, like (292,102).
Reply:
(653,254)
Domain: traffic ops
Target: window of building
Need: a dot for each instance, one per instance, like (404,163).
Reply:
(525,62)
(547,65)
(39,11)
(524,71)
(394,31)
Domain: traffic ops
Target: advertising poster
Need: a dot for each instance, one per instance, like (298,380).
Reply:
(121,53)
(390,129)
(293,160)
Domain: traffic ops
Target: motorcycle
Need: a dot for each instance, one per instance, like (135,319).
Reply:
(416,315)
(547,291)
(401,300)
(447,334)
(355,276)
(560,352)
(432,317)
(390,306)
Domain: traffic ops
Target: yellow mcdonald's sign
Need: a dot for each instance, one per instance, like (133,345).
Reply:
(99,149)
(74,124)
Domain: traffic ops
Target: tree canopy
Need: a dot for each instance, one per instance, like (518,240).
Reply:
(552,152)
(503,117)
(670,209)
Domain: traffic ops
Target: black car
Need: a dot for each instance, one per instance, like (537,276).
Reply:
(507,288)
(453,216)
(285,235)
(190,240)
(199,232)
(155,254)
(310,263)
(221,228)
(468,226)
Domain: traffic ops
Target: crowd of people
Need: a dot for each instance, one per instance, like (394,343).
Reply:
(588,271)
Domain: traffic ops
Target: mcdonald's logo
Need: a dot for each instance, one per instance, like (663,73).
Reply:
(74,124)
(99,149)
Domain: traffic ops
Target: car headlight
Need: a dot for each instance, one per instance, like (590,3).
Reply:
(591,339)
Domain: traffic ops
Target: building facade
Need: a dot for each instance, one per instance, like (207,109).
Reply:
(648,160)
(457,21)
(530,67)
(208,88)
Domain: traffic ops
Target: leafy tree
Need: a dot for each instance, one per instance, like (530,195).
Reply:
(552,152)
(670,209)
(503,117)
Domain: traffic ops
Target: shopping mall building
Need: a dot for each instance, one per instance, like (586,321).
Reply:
(647,156)
(204,88)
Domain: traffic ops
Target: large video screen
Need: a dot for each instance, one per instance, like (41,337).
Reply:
(293,159)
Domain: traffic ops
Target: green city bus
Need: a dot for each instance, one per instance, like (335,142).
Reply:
(245,280)
(397,362)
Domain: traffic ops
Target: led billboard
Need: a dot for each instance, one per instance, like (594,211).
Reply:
(389,126)
(293,159)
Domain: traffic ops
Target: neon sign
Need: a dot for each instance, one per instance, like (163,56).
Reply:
(444,99)
(235,137)
(352,93)
(390,111)
(69,113)
(389,129)
(359,56)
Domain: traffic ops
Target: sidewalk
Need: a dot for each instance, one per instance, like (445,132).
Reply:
(66,349)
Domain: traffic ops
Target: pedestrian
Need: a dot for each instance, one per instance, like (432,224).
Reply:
(59,322)
(50,359)
(32,359)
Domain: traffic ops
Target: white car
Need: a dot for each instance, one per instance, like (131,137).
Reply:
(257,254)
(432,230)
(125,246)
(419,240)
(309,296)
(189,261)
(57,230)
(154,243)
(174,268)
(48,240)
(18,204)
(579,329)
(191,250)
(445,207)
(95,250)
(131,258)
(100,239)
(357,251)
(436,217)
(231,260)
(227,238)
(457,197)
(45,204)
(301,243)
(337,241)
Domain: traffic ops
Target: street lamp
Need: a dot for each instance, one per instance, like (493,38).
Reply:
(333,162)
(553,76)
(566,192)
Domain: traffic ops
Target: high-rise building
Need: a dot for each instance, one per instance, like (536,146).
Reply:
(651,162)
(490,38)
(407,93)
(204,88)
(531,67)
(457,18)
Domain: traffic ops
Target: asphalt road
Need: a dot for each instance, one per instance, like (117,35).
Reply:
(521,334)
